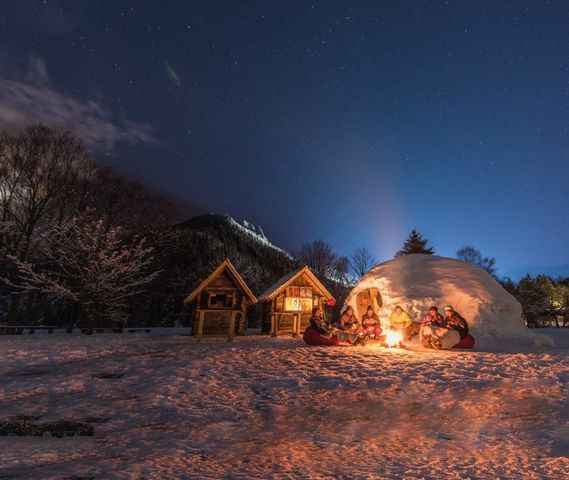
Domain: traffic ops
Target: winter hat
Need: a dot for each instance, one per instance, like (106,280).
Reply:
(448,308)
(398,307)
(369,307)
(434,308)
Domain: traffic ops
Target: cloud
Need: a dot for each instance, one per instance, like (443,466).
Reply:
(30,99)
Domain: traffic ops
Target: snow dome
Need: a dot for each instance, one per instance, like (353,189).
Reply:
(416,282)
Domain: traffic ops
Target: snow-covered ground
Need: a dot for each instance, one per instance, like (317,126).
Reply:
(275,408)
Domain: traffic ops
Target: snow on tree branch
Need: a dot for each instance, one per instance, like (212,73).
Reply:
(83,262)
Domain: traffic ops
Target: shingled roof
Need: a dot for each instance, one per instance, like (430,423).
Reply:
(226,264)
(285,281)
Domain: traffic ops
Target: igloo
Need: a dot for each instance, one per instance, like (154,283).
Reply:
(419,281)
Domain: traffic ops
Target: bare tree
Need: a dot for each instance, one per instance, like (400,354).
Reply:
(46,176)
(323,261)
(473,256)
(319,257)
(361,261)
(8,235)
(89,266)
(39,173)
(127,203)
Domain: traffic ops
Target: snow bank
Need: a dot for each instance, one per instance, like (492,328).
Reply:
(417,282)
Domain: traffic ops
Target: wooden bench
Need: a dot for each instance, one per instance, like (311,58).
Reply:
(90,331)
(19,329)
(114,330)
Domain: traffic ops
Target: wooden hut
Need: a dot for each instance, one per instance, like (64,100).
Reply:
(220,303)
(287,305)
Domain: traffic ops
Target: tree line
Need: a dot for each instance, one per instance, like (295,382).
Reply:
(80,244)
(72,232)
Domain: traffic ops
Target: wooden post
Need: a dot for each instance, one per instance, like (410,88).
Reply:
(231,333)
(273,325)
(295,324)
(200,325)
(243,322)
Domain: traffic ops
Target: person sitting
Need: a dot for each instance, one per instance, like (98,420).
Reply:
(348,321)
(322,332)
(433,318)
(456,322)
(446,335)
(371,324)
(400,321)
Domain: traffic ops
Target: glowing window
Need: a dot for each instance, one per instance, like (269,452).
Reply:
(298,304)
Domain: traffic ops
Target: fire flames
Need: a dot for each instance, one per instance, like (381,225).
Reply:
(393,339)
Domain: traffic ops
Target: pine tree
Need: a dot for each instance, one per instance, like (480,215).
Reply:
(415,244)
(509,286)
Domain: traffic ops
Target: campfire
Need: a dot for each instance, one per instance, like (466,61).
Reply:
(393,339)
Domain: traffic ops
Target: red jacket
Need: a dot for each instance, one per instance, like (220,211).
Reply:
(372,321)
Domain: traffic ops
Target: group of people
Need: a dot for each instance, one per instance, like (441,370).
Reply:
(434,330)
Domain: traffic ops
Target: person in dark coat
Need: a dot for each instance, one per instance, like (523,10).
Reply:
(433,318)
(446,335)
(455,321)
(348,321)
(322,332)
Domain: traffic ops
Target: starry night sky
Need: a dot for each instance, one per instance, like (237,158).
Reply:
(350,121)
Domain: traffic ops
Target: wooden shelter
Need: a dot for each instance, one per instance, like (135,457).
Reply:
(220,303)
(287,305)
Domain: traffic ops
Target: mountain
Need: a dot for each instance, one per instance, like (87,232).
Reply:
(215,221)
(518,273)
(216,237)
(186,253)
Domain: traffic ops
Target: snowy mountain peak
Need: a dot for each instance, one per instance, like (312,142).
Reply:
(215,219)
(257,230)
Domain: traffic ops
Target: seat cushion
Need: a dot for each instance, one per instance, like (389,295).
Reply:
(466,342)
(312,337)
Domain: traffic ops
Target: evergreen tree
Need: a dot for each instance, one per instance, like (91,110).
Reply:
(531,299)
(509,285)
(415,243)
(539,298)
